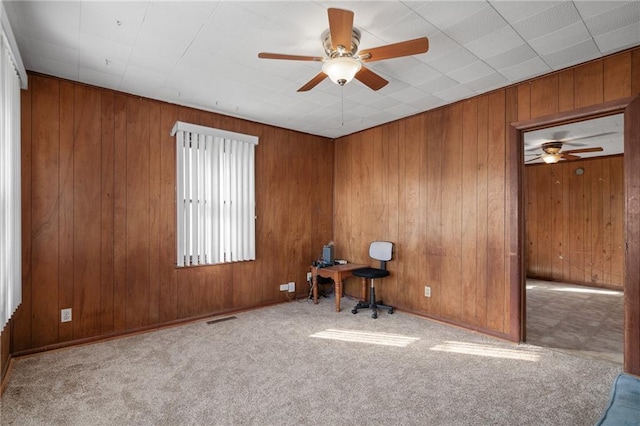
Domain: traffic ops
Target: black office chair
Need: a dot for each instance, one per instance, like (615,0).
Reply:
(382,251)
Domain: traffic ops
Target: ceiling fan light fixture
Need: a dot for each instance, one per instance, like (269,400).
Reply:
(341,69)
(551,158)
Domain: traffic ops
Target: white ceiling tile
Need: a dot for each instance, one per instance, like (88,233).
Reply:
(409,27)
(471,72)
(161,22)
(526,69)
(495,43)
(550,20)
(621,38)
(402,110)
(438,84)
(487,83)
(97,78)
(117,21)
(456,59)
(628,14)
(408,95)
(512,57)
(93,45)
(55,52)
(418,75)
(55,22)
(193,12)
(99,64)
(379,17)
(302,20)
(443,14)
(589,8)
(454,93)
(427,102)
(147,53)
(514,11)
(52,67)
(563,38)
(572,55)
(476,26)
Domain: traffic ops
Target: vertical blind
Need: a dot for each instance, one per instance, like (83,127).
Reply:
(12,76)
(215,195)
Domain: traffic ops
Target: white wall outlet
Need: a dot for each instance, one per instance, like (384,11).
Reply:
(292,287)
(65,315)
(427,291)
(284,287)
(308,276)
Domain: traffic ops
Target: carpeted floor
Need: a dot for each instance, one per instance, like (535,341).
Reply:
(298,363)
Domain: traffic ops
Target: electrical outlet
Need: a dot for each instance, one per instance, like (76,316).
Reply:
(308,276)
(284,287)
(292,287)
(65,315)
(427,291)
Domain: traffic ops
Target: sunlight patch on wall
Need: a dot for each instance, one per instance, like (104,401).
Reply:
(485,350)
(383,339)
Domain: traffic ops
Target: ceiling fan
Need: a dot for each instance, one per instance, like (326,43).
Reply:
(552,152)
(343,62)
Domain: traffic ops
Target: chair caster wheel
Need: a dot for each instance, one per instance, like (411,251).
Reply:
(354,311)
(390,311)
(374,316)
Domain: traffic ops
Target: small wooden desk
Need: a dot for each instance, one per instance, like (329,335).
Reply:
(337,273)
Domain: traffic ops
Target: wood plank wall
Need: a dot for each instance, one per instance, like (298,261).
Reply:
(436,184)
(575,223)
(99,214)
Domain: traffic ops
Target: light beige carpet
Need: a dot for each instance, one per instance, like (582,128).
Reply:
(299,363)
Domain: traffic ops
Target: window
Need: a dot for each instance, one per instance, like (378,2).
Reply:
(12,77)
(215,195)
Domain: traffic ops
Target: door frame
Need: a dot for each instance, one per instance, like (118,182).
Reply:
(631,109)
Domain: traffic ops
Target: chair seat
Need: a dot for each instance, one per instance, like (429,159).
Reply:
(370,273)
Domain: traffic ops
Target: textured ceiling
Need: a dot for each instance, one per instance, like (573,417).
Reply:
(204,54)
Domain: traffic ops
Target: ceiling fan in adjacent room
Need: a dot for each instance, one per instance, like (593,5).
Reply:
(343,61)
(552,152)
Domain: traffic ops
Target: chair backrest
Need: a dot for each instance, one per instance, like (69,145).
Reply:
(382,251)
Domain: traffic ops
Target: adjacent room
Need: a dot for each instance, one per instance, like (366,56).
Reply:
(179,177)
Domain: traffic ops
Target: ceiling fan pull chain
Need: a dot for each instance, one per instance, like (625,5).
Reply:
(342,103)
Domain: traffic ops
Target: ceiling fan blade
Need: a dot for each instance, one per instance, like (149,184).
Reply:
(578,151)
(340,27)
(396,50)
(313,82)
(568,141)
(371,79)
(569,157)
(266,55)
(533,159)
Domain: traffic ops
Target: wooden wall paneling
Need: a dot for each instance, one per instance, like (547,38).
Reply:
(434,276)
(566,90)
(588,84)
(21,320)
(155,156)
(632,237)
(45,220)
(618,209)
(168,277)
(411,240)
(415,292)
(497,283)
(514,154)
(556,221)
(321,172)
(200,290)
(66,213)
(607,229)
(531,222)
(87,163)
(635,72)
(544,96)
(452,213)
(482,229)
(524,101)
(269,182)
(137,215)
(544,227)
(5,351)
(107,156)
(120,258)
(617,76)
(577,215)
(389,137)
(594,178)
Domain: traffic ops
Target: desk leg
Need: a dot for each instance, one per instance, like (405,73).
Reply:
(338,281)
(314,282)
(364,290)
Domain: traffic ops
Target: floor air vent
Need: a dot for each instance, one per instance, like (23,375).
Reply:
(217,320)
